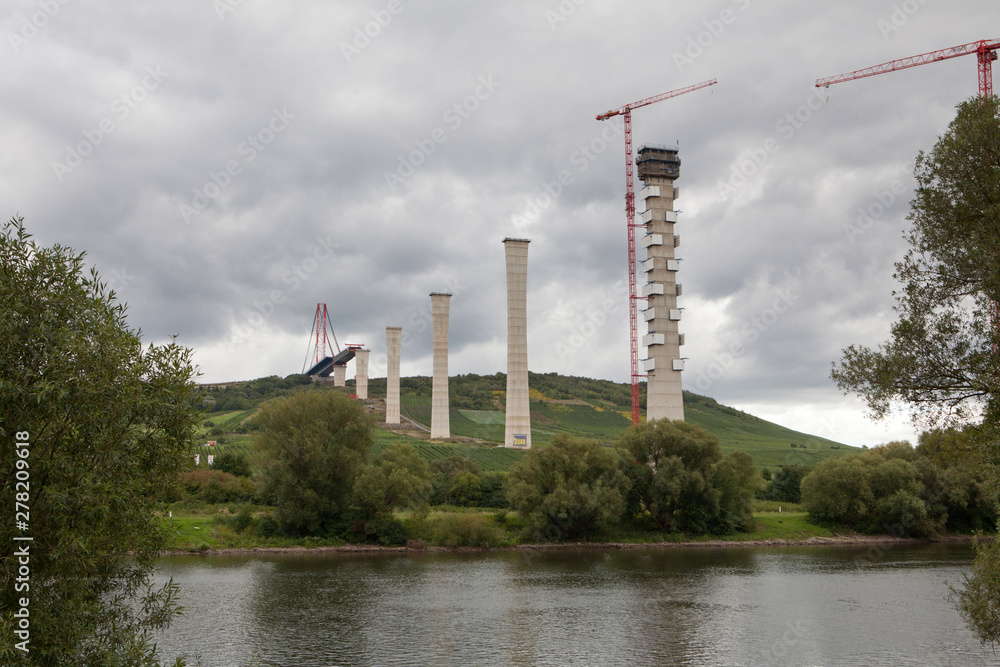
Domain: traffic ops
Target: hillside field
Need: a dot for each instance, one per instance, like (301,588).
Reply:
(595,409)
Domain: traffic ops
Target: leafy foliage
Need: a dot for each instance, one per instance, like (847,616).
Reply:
(680,478)
(313,446)
(940,358)
(979,600)
(573,488)
(216,486)
(399,478)
(110,425)
(233,463)
(897,489)
(785,484)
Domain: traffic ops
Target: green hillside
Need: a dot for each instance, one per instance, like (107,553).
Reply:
(597,409)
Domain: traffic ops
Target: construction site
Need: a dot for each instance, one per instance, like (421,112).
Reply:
(656,360)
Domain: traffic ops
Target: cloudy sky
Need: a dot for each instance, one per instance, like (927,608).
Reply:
(229,164)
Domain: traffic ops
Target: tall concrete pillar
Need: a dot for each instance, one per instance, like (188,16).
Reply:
(658,166)
(393,343)
(339,376)
(517,432)
(440,406)
(361,369)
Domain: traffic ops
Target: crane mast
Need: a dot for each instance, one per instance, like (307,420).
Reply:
(633,296)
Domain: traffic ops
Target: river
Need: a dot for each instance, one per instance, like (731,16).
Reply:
(694,606)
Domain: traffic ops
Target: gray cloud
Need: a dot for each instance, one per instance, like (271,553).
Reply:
(485,115)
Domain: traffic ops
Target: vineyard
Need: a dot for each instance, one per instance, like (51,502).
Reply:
(490,459)
(596,413)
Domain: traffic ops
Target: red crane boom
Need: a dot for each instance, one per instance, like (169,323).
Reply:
(633,296)
(985,50)
(986,53)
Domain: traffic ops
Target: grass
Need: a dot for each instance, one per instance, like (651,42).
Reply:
(210,527)
(489,458)
(770,445)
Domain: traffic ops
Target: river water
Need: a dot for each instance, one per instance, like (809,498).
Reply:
(700,606)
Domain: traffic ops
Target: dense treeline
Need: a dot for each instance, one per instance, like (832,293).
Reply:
(246,395)
(901,490)
(313,468)
(472,392)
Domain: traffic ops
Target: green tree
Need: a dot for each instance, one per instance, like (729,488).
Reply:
(313,446)
(838,491)
(977,601)
(737,481)
(670,464)
(398,478)
(940,358)
(234,464)
(109,426)
(786,484)
(573,488)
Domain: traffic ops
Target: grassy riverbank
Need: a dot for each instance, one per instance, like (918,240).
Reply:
(214,527)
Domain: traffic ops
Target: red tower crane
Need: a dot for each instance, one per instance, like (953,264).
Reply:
(986,53)
(633,297)
(985,50)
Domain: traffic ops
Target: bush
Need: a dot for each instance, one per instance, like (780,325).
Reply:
(313,447)
(896,489)
(234,464)
(466,530)
(215,486)
(680,478)
(570,489)
(785,484)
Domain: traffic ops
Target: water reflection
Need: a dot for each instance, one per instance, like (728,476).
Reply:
(778,606)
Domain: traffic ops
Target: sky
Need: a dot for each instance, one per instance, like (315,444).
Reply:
(228,164)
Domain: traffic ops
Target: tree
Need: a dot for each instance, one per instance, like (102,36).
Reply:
(572,488)
(941,358)
(313,446)
(680,477)
(397,479)
(786,484)
(234,464)
(977,601)
(943,354)
(109,426)
(737,481)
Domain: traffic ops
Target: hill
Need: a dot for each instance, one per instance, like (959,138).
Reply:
(597,409)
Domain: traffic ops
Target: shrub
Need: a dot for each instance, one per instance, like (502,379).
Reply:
(313,447)
(234,464)
(466,530)
(572,488)
(215,486)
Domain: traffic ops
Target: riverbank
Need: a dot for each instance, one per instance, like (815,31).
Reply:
(881,541)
